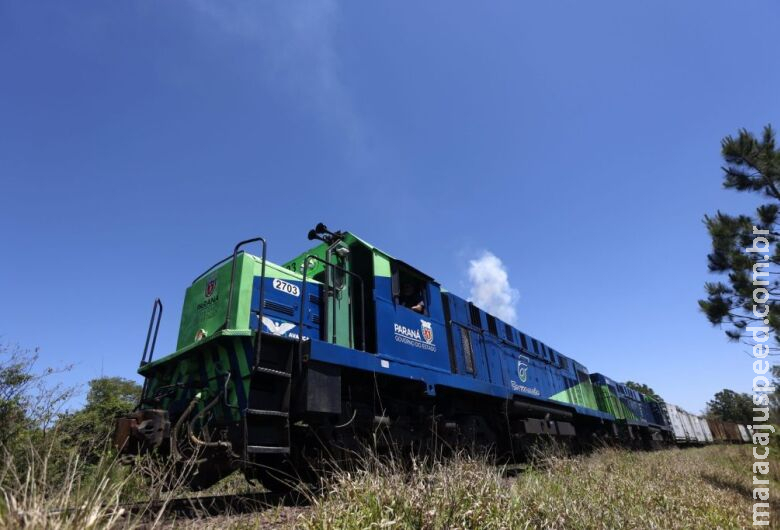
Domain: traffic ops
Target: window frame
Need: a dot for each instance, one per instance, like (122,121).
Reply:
(397,268)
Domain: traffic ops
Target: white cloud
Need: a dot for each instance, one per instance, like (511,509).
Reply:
(490,288)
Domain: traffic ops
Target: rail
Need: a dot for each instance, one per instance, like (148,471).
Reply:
(228,314)
(217,264)
(261,300)
(157,309)
(169,508)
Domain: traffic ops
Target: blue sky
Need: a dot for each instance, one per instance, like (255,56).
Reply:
(576,141)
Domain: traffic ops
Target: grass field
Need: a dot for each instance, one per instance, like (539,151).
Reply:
(695,488)
(692,488)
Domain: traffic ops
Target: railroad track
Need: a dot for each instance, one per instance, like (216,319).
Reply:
(251,502)
(207,506)
(192,507)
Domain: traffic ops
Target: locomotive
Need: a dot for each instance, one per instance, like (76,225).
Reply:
(280,365)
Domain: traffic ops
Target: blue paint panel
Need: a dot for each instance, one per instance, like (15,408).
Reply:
(495,360)
(418,338)
(400,367)
(462,329)
(501,367)
(414,346)
(522,372)
(282,311)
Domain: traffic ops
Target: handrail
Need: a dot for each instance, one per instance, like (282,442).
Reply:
(333,316)
(157,309)
(261,300)
(232,279)
(217,264)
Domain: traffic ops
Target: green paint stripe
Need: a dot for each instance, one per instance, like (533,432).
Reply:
(582,394)
(238,351)
(245,332)
(381,265)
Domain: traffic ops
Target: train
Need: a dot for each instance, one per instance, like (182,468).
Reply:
(281,365)
(691,429)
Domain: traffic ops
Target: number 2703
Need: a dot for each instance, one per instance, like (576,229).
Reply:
(281,285)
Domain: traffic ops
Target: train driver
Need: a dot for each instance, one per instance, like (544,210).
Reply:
(412,297)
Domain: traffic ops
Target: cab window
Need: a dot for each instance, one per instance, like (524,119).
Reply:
(409,289)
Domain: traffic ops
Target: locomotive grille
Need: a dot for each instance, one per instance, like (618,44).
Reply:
(468,353)
(276,306)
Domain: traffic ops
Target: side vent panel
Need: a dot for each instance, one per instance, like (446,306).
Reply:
(468,353)
(276,306)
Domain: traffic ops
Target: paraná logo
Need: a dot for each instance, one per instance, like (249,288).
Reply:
(427,331)
(211,286)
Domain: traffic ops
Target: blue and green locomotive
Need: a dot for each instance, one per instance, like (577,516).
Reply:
(278,365)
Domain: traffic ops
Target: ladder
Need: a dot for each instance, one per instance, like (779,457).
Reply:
(266,418)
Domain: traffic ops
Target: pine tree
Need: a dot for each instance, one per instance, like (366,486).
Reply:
(751,165)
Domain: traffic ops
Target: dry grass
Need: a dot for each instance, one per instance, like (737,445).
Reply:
(692,488)
(32,495)
(38,490)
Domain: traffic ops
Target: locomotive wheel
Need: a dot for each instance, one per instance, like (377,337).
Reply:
(476,436)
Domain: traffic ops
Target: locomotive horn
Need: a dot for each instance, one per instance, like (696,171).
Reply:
(322,229)
(314,235)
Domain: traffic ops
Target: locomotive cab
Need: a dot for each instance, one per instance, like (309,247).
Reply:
(416,336)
